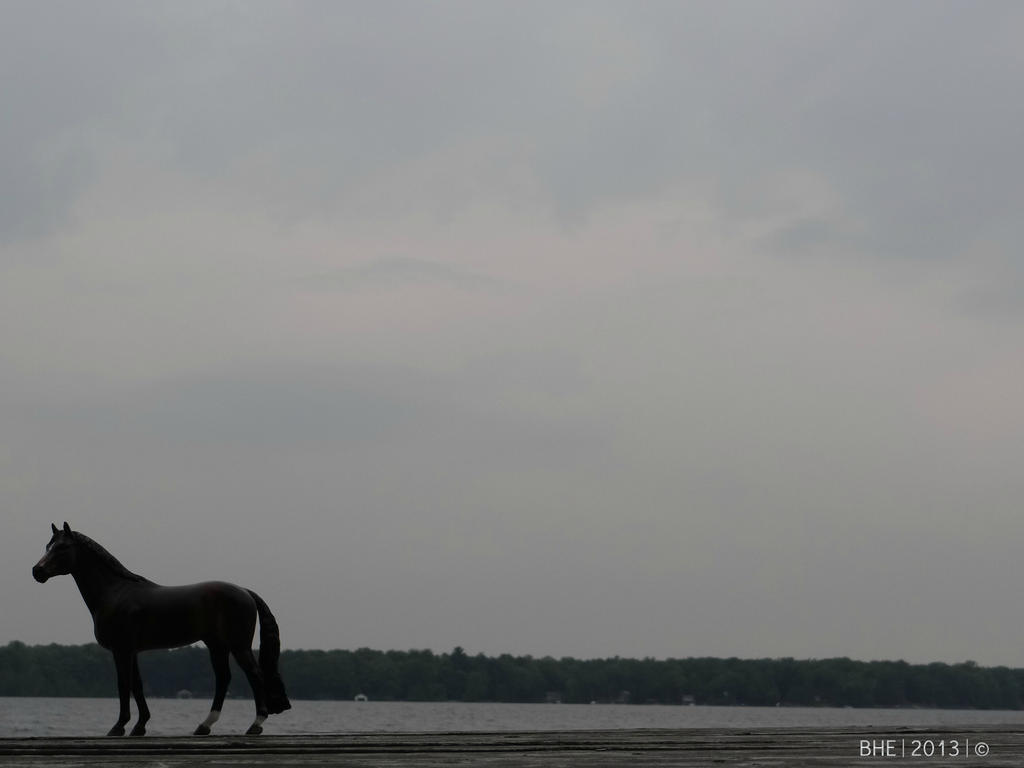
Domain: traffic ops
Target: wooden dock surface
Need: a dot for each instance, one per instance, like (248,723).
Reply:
(765,747)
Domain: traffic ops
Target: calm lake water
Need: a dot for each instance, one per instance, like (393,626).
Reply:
(26,717)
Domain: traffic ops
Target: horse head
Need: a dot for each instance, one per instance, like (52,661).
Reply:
(59,557)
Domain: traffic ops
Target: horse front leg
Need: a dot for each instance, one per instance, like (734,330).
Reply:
(123,662)
(140,699)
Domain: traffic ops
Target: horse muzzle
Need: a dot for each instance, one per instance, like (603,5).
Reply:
(39,574)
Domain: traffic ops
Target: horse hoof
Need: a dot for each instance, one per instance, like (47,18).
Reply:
(138,730)
(117,730)
(254,730)
(202,730)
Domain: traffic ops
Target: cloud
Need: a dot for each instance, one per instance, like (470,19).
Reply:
(400,271)
(67,82)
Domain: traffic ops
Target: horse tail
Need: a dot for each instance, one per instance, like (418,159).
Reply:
(270,652)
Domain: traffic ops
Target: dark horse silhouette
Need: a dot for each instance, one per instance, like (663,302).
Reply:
(131,614)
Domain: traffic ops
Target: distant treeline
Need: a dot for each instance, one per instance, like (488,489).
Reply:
(88,670)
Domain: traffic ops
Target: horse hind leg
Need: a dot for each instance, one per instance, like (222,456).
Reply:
(140,700)
(247,662)
(222,676)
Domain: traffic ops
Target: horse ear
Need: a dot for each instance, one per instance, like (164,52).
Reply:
(67,528)
(54,527)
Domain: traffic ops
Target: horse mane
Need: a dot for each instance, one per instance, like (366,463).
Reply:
(107,559)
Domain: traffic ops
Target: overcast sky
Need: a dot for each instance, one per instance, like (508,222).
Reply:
(666,329)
